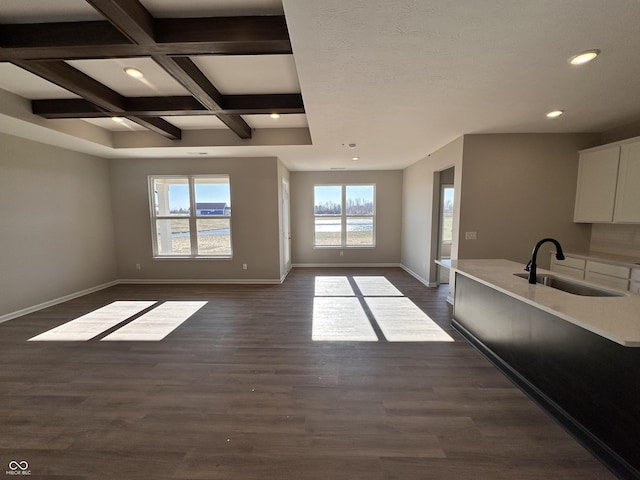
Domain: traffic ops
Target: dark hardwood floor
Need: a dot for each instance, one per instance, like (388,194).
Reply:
(240,391)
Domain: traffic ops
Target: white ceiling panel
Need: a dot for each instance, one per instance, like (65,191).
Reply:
(285,121)
(250,74)
(196,122)
(28,85)
(110,72)
(37,11)
(122,126)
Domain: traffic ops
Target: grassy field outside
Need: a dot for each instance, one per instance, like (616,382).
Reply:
(214,237)
(354,239)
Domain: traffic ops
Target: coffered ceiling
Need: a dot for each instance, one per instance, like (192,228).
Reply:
(397,78)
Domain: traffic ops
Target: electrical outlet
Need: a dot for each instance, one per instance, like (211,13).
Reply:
(138,266)
(244,266)
(341,253)
(471,235)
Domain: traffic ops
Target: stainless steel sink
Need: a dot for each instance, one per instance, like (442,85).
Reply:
(570,286)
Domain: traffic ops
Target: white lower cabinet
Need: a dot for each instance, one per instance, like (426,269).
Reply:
(613,276)
(634,285)
(607,281)
(607,275)
(571,267)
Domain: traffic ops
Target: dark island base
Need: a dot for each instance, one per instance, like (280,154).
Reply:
(588,383)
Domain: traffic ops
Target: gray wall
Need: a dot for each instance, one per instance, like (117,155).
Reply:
(517,189)
(511,189)
(254,224)
(388,218)
(56,224)
(419,220)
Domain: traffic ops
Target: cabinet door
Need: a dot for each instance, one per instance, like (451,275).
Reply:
(596,191)
(607,281)
(628,193)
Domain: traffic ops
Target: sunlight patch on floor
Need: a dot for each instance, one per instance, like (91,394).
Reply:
(401,320)
(333,287)
(376,286)
(94,323)
(341,319)
(155,325)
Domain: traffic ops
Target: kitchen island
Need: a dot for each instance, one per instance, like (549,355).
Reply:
(576,356)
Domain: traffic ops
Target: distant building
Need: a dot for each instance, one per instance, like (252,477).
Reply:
(215,208)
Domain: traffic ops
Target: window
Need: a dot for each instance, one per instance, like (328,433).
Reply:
(191,215)
(344,215)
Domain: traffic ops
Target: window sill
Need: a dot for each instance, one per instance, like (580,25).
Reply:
(343,247)
(180,257)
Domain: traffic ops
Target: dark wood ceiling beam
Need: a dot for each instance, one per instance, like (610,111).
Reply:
(189,75)
(133,20)
(181,36)
(158,125)
(171,106)
(258,104)
(129,17)
(73,80)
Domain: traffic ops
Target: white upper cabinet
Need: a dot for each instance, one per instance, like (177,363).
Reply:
(628,192)
(608,188)
(597,180)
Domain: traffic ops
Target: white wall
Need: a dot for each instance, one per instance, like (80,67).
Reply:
(56,224)
(388,218)
(255,220)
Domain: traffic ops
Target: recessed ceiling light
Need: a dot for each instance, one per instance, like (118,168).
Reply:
(275,115)
(133,72)
(584,57)
(118,119)
(355,158)
(554,113)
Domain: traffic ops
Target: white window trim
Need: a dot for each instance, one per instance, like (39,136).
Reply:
(192,218)
(343,217)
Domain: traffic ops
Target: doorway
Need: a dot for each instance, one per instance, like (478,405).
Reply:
(445,223)
(286,230)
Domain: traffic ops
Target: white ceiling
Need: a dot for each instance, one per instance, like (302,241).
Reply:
(400,78)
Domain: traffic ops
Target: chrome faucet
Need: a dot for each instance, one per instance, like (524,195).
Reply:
(532,266)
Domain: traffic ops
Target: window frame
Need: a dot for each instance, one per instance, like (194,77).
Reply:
(192,218)
(344,216)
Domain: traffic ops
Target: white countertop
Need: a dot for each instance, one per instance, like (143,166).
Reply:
(615,318)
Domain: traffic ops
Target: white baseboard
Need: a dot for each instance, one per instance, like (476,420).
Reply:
(346,265)
(56,301)
(418,277)
(227,281)
(200,281)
